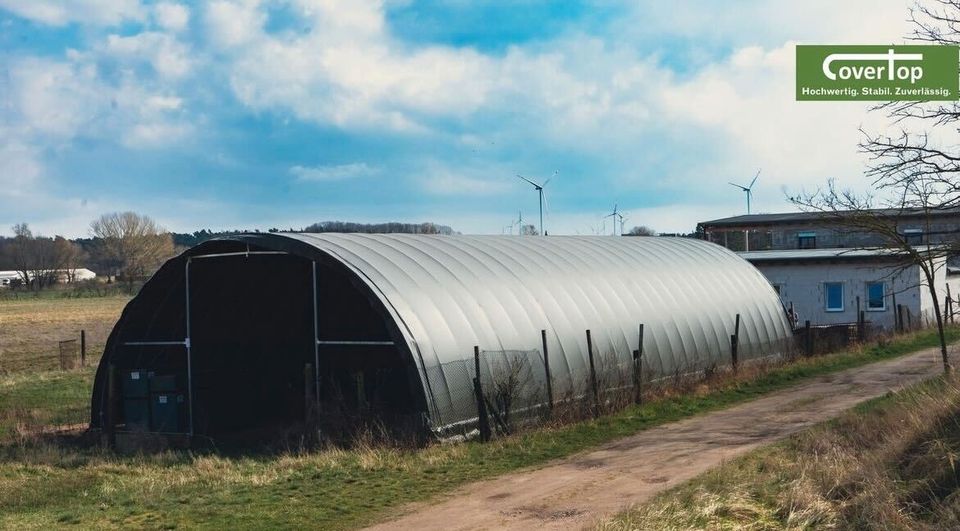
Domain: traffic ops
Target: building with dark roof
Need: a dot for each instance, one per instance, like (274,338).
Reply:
(812,230)
(828,273)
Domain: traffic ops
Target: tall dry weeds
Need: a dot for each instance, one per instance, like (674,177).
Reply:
(893,465)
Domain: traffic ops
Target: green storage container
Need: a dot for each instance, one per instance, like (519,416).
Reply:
(166,408)
(136,383)
(136,414)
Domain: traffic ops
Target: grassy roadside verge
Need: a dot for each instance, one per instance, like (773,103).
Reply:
(43,485)
(30,401)
(890,463)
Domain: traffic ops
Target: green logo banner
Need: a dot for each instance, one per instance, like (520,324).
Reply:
(878,73)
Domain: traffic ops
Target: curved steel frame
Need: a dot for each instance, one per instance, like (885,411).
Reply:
(442,295)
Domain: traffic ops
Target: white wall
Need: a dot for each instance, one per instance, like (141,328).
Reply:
(802,284)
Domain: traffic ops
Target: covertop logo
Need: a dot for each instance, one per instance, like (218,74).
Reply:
(878,73)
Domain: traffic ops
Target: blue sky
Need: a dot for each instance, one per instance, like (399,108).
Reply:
(279,113)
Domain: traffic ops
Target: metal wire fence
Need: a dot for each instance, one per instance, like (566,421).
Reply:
(53,354)
(498,390)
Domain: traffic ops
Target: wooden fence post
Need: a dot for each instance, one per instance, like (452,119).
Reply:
(593,376)
(83,348)
(109,420)
(949,304)
(733,352)
(546,368)
(808,338)
(483,423)
(735,345)
(861,327)
(638,369)
(893,303)
(900,317)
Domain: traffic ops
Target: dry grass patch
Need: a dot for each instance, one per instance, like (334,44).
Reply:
(30,329)
(892,463)
(52,482)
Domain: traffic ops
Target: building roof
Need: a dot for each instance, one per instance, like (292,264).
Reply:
(820,254)
(447,294)
(801,217)
(453,292)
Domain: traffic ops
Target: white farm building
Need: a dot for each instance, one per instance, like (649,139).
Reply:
(830,286)
(65,276)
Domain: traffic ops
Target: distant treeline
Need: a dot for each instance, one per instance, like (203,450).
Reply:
(379,228)
(186,239)
(89,252)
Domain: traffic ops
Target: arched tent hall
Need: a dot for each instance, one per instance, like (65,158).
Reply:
(238,334)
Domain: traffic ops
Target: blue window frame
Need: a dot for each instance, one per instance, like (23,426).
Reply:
(833,296)
(806,240)
(875,297)
(913,237)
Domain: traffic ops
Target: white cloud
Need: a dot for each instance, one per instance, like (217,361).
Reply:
(171,16)
(53,102)
(638,124)
(155,134)
(233,23)
(20,166)
(442,181)
(55,98)
(347,70)
(339,172)
(168,56)
(62,12)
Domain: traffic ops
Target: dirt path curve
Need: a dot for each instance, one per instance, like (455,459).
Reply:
(580,490)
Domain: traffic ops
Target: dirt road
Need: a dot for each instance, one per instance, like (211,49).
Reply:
(583,489)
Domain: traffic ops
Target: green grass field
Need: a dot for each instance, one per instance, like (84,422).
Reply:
(31,401)
(48,483)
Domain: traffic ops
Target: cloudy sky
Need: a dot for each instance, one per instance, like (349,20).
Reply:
(279,113)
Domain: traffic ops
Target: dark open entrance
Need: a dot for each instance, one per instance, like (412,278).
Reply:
(266,362)
(251,328)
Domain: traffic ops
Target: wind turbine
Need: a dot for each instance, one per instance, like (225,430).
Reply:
(748,189)
(539,188)
(615,214)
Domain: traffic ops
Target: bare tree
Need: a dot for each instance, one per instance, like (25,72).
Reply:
(19,251)
(130,245)
(856,213)
(69,257)
(641,230)
(914,171)
(41,261)
(921,169)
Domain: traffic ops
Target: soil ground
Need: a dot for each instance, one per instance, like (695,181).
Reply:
(584,489)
